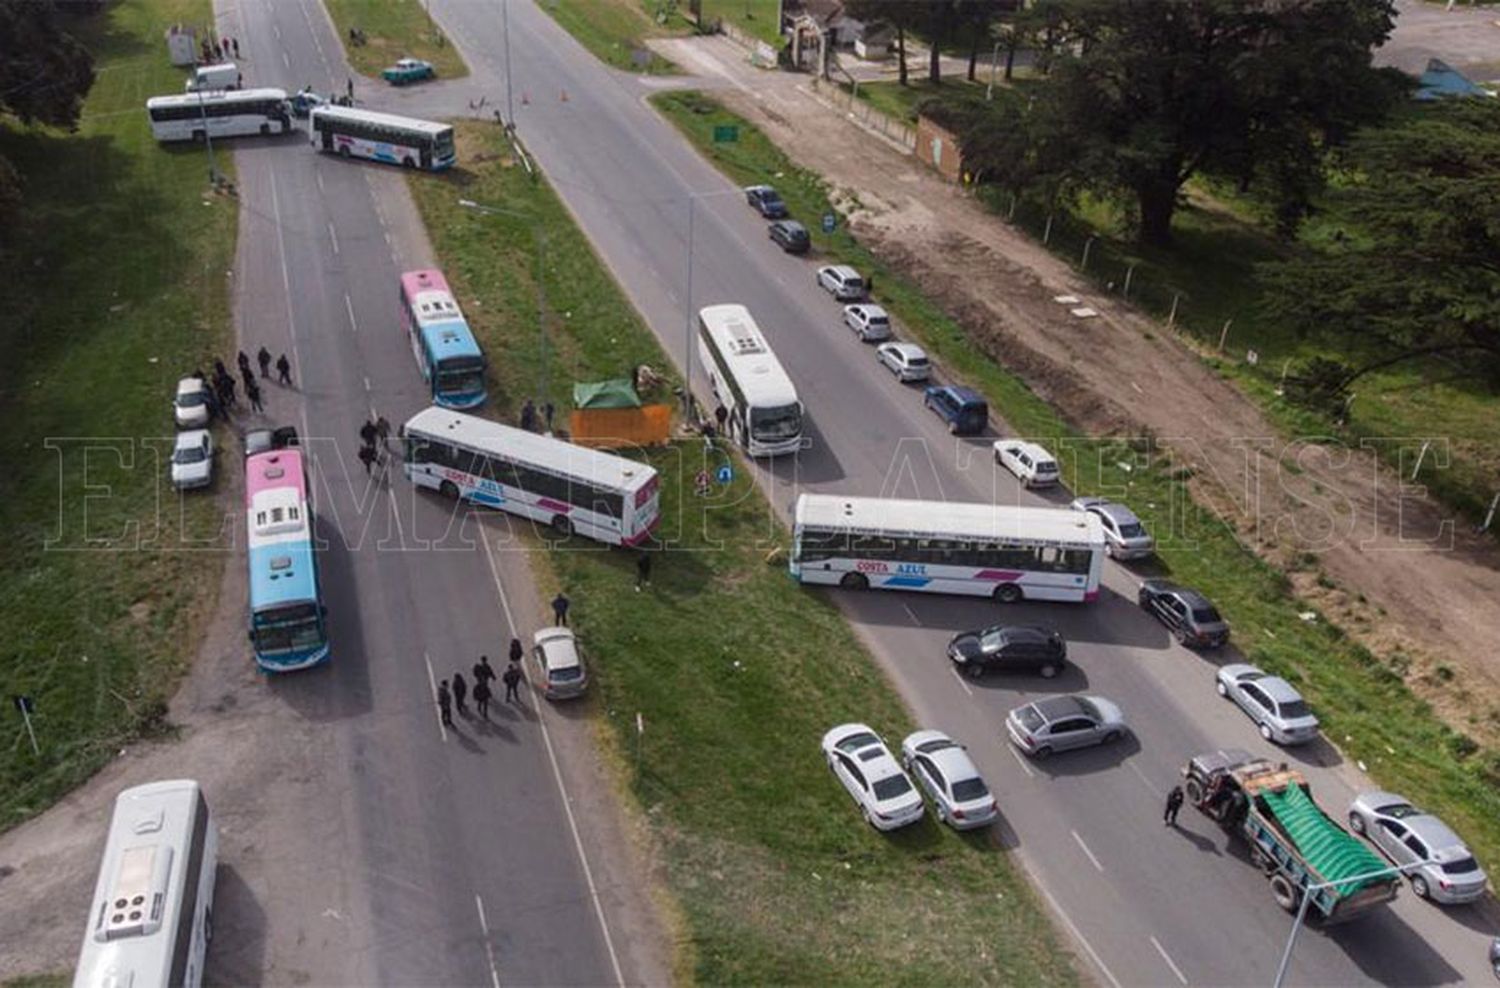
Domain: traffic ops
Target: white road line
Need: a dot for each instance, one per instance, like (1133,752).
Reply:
(286,61)
(319,176)
(1092,859)
(349,308)
(1137,387)
(367,385)
(276,28)
(1078,935)
(912,614)
(1175,969)
(286,286)
(432,681)
(960,679)
(395,508)
(1150,786)
(333,235)
(1020,760)
(489,950)
(583,858)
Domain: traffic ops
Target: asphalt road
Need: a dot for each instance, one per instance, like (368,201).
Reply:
(1148,905)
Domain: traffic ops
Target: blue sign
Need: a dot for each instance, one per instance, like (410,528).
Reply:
(830,221)
(725,474)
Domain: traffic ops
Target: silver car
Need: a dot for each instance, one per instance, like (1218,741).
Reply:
(1277,709)
(869,321)
(559,663)
(1407,835)
(906,360)
(1124,535)
(942,767)
(193,459)
(1060,723)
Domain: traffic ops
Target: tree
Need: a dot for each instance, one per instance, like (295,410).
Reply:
(900,14)
(1417,275)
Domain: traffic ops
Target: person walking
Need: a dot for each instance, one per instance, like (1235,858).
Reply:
(226,389)
(1174,803)
(642,571)
(383,430)
(516,651)
(264,359)
(244,363)
(252,392)
(367,434)
(460,691)
(284,370)
(349,88)
(549,410)
(219,369)
(483,673)
(482,696)
(528,416)
(513,677)
(367,457)
(560,605)
(445,703)
(248,377)
(235,43)
(721,416)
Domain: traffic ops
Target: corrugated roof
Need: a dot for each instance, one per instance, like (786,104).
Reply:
(1330,850)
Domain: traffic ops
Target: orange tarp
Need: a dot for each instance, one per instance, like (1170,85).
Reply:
(607,428)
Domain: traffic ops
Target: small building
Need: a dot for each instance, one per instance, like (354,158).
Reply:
(938,147)
(874,41)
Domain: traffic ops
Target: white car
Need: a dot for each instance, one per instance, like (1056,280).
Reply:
(193,459)
(559,663)
(906,360)
(1032,465)
(869,321)
(942,767)
(1278,710)
(190,407)
(842,282)
(862,762)
(1124,535)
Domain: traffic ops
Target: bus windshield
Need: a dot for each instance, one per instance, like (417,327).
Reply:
(780,422)
(442,144)
(292,628)
(461,376)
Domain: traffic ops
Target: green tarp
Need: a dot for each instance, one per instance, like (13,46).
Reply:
(616,393)
(1328,849)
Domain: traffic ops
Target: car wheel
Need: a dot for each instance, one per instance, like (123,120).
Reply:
(973,670)
(1044,752)
(448,489)
(1265,732)
(1420,887)
(1048,671)
(1284,892)
(1112,737)
(854,581)
(1008,593)
(1193,789)
(1223,690)
(864,811)
(1357,823)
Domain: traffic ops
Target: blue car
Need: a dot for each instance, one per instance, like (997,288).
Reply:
(964,409)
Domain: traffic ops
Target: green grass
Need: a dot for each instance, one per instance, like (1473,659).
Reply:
(60,980)
(901,102)
(614,31)
(1363,701)
(754,17)
(803,894)
(116,287)
(394,29)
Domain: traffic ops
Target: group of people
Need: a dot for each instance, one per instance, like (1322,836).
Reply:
(374,439)
(529,420)
(457,695)
(218,49)
(223,390)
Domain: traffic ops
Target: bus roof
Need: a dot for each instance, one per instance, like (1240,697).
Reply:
(414,283)
(449,339)
(209,97)
(748,356)
(279,523)
(383,119)
(936,519)
(272,469)
(592,465)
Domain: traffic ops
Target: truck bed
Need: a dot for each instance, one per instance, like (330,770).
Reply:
(1330,852)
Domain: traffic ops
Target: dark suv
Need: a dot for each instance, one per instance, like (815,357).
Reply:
(1188,613)
(766,201)
(791,236)
(1009,648)
(964,409)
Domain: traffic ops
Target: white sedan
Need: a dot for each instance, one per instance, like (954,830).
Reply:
(193,459)
(906,360)
(869,321)
(942,767)
(190,406)
(861,761)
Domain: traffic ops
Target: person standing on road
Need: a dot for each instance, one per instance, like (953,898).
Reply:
(252,392)
(460,690)
(445,703)
(549,410)
(482,696)
(248,377)
(349,88)
(244,363)
(516,650)
(642,571)
(513,678)
(367,434)
(284,370)
(560,605)
(264,359)
(483,673)
(367,457)
(383,430)
(1174,803)
(235,43)
(226,390)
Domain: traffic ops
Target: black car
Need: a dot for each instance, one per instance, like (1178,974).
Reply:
(791,236)
(1188,613)
(766,201)
(261,440)
(1009,648)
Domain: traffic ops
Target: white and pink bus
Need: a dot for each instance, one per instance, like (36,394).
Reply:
(984,550)
(571,488)
(287,628)
(446,351)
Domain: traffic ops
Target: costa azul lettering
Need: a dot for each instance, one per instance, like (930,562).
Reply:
(901,569)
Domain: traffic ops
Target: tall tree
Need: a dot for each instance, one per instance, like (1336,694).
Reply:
(1418,273)
(902,15)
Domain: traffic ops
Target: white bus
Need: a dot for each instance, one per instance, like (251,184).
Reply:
(221,113)
(984,550)
(599,495)
(765,417)
(152,912)
(384,137)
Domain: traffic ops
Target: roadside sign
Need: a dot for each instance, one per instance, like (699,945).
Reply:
(830,222)
(726,133)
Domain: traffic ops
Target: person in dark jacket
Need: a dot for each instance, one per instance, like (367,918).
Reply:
(482,696)
(460,691)
(445,703)
(513,677)
(264,359)
(284,370)
(560,605)
(517,652)
(483,673)
(1174,803)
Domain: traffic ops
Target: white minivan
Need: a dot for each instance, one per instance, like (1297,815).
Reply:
(1032,465)
(225,75)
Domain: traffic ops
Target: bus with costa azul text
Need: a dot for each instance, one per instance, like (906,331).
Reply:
(765,417)
(287,627)
(598,495)
(984,550)
(445,348)
(396,140)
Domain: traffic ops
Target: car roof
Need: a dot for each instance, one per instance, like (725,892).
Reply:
(1278,689)
(1115,510)
(954,762)
(907,349)
(842,270)
(1020,632)
(792,225)
(963,394)
(191,438)
(1434,831)
(1026,445)
(869,308)
(559,647)
(1055,708)
(760,189)
(190,385)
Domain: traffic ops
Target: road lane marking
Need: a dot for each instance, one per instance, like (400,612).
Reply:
(1093,860)
(276,28)
(1150,786)
(332,235)
(960,679)
(319,176)
(911,614)
(432,680)
(583,858)
(367,385)
(349,308)
(286,61)
(286,286)
(1078,935)
(489,950)
(1175,969)
(1021,761)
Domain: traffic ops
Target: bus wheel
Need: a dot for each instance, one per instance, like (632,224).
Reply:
(1284,892)
(199,137)
(265,130)
(448,489)
(1007,593)
(408,163)
(344,151)
(855,581)
(562,526)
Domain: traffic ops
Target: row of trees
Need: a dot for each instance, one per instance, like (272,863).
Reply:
(976,24)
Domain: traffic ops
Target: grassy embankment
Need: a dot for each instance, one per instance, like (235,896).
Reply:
(736,671)
(1364,704)
(394,29)
(114,287)
(613,30)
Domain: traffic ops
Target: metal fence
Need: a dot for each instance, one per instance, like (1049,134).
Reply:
(864,115)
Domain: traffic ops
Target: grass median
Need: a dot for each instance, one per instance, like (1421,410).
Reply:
(614,31)
(735,670)
(393,29)
(114,287)
(1365,705)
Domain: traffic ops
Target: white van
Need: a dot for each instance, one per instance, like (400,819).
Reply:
(1032,465)
(225,75)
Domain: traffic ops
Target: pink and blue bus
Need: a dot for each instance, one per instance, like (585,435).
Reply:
(445,349)
(287,629)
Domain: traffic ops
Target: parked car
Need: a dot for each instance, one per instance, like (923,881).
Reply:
(943,768)
(190,407)
(193,459)
(870,321)
(1060,723)
(304,101)
(408,70)
(1191,617)
(1277,709)
(1009,648)
(766,201)
(882,791)
(261,440)
(790,236)
(964,409)
(1124,535)
(1407,835)
(842,282)
(1032,465)
(905,360)
(559,663)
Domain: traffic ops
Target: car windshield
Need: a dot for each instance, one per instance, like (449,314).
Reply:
(781,422)
(1294,708)
(965,790)
(1460,867)
(891,787)
(991,641)
(1046,466)
(854,742)
(566,674)
(1399,811)
(1132,530)
(1206,615)
(916,360)
(879,321)
(1090,709)
(190,454)
(1029,718)
(191,399)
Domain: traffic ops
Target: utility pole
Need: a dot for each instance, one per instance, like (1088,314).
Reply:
(687,336)
(213,171)
(510,107)
(989,91)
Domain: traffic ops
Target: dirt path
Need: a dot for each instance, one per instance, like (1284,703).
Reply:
(1429,586)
